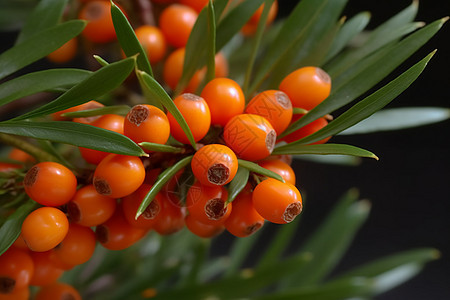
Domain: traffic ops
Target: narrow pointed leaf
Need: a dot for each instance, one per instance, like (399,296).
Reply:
(237,184)
(399,118)
(40,81)
(163,178)
(42,44)
(94,86)
(10,229)
(211,47)
(158,93)
(76,134)
(46,14)
(112,109)
(128,40)
(367,73)
(253,167)
(160,148)
(101,60)
(368,105)
(323,149)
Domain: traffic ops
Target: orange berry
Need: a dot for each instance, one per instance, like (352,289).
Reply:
(50,184)
(197,5)
(203,230)
(88,105)
(45,270)
(16,270)
(131,203)
(250,136)
(20,155)
(244,220)
(17,294)
(147,123)
(44,228)
(214,164)
(116,233)
(56,291)
(307,130)
(176,22)
(117,175)
(153,41)
(280,167)
(306,87)
(273,105)
(171,217)
(196,112)
(207,203)
(221,65)
(277,202)
(64,53)
(225,100)
(251,26)
(100,28)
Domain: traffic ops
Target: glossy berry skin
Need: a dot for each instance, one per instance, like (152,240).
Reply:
(244,220)
(207,204)
(153,42)
(171,217)
(214,164)
(117,234)
(64,53)
(131,203)
(44,228)
(273,105)
(196,112)
(250,136)
(117,176)
(277,202)
(225,100)
(306,87)
(280,167)
(203,230)
(100,27)
(307,130)
(89,208)
(50,184)
(147,123)
(77,247)
(45,270)
(176,22)
(58,291)
(16,270)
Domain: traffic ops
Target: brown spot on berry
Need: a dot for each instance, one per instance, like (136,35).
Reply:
(215,209)
(95,11)
(102,186)
(31,176)
(138,114)
(283,100)
(218,174)
(192,97)
(74,212)
(102,234)
(271,138)
(151,211)
(253,228)
(323,75)
(7,285)
(293,210)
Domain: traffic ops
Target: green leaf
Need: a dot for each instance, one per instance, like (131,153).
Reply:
(112,109)
(46,14)
(128,40)
(323,149)
(94,86)
(13,13)
(368,72)
(368,105)
(41,43)
(161,148)
(211,51)
(399,118)
(163,178)
(10,230)
(330,241)
(158,93)
(253,167)
(76,134)
(237,184)
(101,60)
(348,31)
(40,81)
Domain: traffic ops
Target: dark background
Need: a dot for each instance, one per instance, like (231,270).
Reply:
(408,186)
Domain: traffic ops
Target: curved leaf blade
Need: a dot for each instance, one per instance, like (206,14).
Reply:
(253,167)
(76,134)
(94,86)
(40,81)
(42,44)
(324,149)
(160,148)
(237,184)
(110,109)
